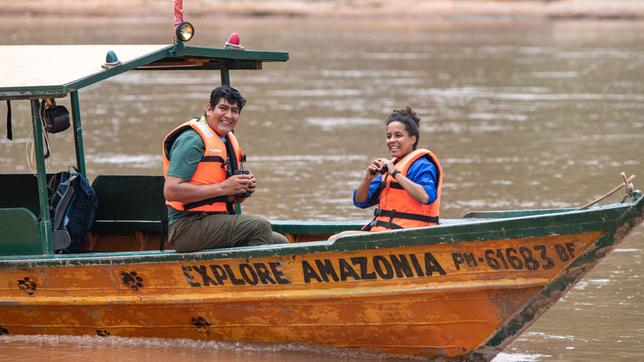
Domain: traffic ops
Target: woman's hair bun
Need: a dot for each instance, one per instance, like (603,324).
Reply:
(406,112)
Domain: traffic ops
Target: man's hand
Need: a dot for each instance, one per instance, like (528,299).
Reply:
(176,189)
(239,184)
(253,184)
(251,189)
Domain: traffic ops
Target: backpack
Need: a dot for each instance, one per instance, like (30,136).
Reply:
(72,209)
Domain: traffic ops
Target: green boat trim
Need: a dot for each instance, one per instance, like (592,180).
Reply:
(452,231)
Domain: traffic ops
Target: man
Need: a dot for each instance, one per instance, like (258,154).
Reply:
(204,179)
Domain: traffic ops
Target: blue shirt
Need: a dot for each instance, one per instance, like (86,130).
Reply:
(422,172)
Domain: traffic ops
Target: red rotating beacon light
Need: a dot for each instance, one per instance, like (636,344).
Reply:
(233,42)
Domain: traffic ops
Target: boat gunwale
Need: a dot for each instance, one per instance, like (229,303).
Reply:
(472,230)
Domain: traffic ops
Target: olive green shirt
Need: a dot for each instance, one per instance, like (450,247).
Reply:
(187,150)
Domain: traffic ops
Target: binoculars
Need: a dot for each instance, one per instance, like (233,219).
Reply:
(383,170)
(242,172)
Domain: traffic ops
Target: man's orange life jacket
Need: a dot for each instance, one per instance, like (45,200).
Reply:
(396,208)
(214,167)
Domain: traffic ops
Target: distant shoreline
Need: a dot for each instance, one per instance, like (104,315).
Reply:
(632,10)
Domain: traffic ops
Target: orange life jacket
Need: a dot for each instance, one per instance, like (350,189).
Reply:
(214,167)
(396,208)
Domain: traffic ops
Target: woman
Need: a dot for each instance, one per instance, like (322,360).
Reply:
(407,188)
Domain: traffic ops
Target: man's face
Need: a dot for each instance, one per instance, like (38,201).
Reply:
(223,117)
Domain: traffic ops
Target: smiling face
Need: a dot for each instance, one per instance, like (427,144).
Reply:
(223,117)
(399,142)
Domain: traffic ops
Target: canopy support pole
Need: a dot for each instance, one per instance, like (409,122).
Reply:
(78,133)
(225,75)
(44,225)
(225,80)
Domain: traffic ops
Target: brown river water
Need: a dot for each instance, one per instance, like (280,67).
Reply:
(522,115)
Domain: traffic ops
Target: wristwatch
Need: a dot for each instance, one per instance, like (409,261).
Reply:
(395,173)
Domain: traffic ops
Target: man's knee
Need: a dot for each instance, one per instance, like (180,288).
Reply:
(259,224)
(264,232)
(253,230)
(278,238)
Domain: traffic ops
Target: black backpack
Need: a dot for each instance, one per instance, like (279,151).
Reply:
(72,208)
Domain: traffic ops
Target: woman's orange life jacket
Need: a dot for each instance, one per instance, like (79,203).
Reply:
(396,208)
(215,165)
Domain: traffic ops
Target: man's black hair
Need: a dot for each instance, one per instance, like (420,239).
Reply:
(229,93)
(407,117)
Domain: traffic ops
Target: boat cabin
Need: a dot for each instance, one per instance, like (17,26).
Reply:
(27,75)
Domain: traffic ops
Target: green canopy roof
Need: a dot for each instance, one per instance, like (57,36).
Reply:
(38,71)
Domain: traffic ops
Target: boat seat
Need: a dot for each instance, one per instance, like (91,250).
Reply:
(303,231)
(19,229)
(20,190)
(129,203)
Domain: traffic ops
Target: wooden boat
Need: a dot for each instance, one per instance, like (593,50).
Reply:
(460,290)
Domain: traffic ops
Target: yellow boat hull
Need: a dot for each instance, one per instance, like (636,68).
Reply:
(435,300)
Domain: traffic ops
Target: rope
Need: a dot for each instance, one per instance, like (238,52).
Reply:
(628,189)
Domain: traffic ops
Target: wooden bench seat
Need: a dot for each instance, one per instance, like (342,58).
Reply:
(130,204)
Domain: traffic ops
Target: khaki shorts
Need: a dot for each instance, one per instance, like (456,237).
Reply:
(210,231)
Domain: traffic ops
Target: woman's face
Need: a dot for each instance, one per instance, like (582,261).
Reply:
(399,142)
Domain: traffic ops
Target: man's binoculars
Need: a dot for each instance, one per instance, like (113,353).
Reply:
(242,172)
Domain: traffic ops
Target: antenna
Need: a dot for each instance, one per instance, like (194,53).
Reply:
(183,30)
(178,13)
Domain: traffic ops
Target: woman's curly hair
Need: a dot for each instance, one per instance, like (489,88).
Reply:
(407,117)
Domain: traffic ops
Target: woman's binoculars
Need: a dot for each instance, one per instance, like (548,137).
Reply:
(383,170)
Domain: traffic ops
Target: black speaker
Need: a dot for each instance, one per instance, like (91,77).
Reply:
(56,119)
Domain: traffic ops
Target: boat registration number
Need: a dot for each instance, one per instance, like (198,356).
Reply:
(533,257)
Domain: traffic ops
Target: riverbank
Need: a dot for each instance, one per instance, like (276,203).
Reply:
(439,9)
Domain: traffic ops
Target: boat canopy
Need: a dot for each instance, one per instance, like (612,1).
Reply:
(53,71)
(41,73)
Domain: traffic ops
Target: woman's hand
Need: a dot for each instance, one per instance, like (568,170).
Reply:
(389,164)
(416,191)
(372,170)
(362,192)
(377,166)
